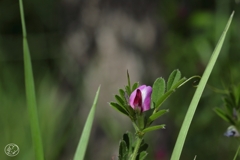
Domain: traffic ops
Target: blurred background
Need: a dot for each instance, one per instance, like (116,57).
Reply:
(76,45)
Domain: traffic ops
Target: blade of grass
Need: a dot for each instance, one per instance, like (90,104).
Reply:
(193,105)
(30,93)
(236,155)
(82,145)
(195,157)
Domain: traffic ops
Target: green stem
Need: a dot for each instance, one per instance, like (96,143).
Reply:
(135,126)
(135,152)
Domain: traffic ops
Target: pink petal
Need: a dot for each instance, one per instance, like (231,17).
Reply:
(138,99)
(133,95)
(146,92)
(146,98)
(131,99)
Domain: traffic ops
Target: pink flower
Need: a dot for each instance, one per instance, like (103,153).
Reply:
(141,98)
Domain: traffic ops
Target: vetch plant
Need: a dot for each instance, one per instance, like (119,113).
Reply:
(129,149)
(142,105)
(231,112)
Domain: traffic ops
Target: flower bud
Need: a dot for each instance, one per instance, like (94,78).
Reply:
(140,99)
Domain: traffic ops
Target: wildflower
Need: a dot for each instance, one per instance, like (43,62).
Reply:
(140,99)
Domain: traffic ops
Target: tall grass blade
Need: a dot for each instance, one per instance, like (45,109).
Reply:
(236,155)
(30,93)
(82,145)
(193,105)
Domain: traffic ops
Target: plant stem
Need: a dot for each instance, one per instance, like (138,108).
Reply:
(135,126)
(138,144)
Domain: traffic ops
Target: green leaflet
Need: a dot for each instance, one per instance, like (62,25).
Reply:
(120,100)
(173,79)
(168,93)
(224,116)
(157,115)
(142,155)
(152,128)
(135,86)
(123,150)
(158,90)
(122,93)
(118,108)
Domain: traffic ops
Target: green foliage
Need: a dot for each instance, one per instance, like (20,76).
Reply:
(231,111)
(236,155)
(142,155)
(122,105)
(52,117)
(30,93)
(128,87)
(128,90)
(158,89)
(123,150)
(122,94)
(119,108)
(83,142)
(193,105)
(159,95)
(129,139)
(221,113)
(135,86)
(122,100)
(156,115)
(127,146)
(174,82)
(153,128)
(143,147)
(173,79)
(142,120)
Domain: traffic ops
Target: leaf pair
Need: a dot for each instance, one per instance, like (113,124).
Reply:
(161,92)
